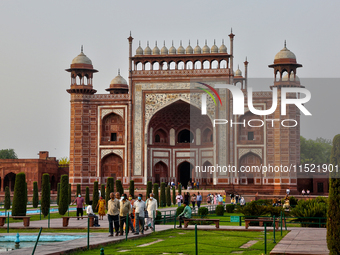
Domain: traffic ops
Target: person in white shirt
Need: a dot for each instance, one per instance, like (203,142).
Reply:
(140,207)
(90,213)
(151,207)
(179,199)
(242,201)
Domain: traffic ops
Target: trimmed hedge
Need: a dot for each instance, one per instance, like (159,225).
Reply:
(119,187)
(162,198)
(102,191)
(148,189)
(132,188)
(155,192)
(19,200)
(7,203)
(58,193)
(179,210)
(45,194)
(230,208)
(69,194)
(64,195)
(173,195)
(203,211)
(78,190)
(168,196)
(35,195)
(109,188)
(220,210)
(95,196)
(87,195)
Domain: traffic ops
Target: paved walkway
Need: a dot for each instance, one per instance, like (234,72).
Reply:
(303,241)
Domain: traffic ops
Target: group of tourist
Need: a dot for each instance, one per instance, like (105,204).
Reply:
(303,192)
(193,199)
(121,210)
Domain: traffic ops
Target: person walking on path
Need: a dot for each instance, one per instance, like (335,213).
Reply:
(113,207)
(124,211)
(90,213)
(303,192)
(140,207)
(193,201)
(198,184)
(151,207)
(179,199)
(308,192)
(199,200)
(80,205)
(101,208)
(186,214)
(131,225)
(208,199)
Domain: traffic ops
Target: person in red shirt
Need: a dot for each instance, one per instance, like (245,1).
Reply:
(80,205)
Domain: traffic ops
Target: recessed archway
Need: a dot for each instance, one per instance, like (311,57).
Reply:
(184,173)
(10,181)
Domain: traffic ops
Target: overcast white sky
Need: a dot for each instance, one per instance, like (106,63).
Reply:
(39,39)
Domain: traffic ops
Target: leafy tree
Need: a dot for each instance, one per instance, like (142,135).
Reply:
(8,154)
(19,200)
(132,188)
(78,189)
(7,204)
(315,151)
(87,195)
(163,199)
(119,187)
(26,197)
(102,191)
(58,193)
(69,194)
(333,215)
(310,208)
(155,192)
(109,189)
(64,161)
(64,195)
(35,195)
(168,196)
(95,196)
(173,195)
(148,188)
(45,195)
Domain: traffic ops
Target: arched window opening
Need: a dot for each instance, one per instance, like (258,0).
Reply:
(157,139)
(185,136)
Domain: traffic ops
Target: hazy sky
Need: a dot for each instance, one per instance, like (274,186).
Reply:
(39,39)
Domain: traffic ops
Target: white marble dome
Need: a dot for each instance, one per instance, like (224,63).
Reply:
(147,50)
(172,49)
(214,48)
(189,49)
(82,59)
(155,50)
(284,54)
(223,48)
(206,48)
(180,49)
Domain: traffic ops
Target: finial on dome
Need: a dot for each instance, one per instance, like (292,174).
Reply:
(172,43)
(197,42)
(139,43)
(189,42)
(130,32)
(285,43)
(118,71)
(156,43)
(148,43)
(81,49)
(222,41)
(205,41)
(214,41)
(231,30)
(164,43)
(181,43)
(238,66)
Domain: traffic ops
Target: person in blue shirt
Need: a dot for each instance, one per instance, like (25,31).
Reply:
(186,214)
(199,200)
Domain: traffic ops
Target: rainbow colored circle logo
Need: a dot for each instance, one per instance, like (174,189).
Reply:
(209,93)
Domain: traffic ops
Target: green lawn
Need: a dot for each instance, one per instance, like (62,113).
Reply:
(183,241)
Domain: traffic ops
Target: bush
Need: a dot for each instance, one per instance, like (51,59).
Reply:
(293,201)
(119,187)
(148,189)
(333,215)
(69,194)
(180,189)
(35,195)
(7,203)
(168,196)
(163,199)
(64,195)
(173,195)
(310,208)
(263,202)
(102,191)
(180,209)
(132,188)
(155,192)
(158,218)
(58,193)
(230,208)
(95,196)
(87,195)
(253,209)
(109,188)
(19,200)
(26,197)
(78,190)
(274,210)
(203,212)
(220,210)
(45,194)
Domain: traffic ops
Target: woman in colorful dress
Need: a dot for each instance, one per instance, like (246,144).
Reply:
(101,210)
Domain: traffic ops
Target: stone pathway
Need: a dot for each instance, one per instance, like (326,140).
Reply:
(248,244)
(303,241)
(147,244)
